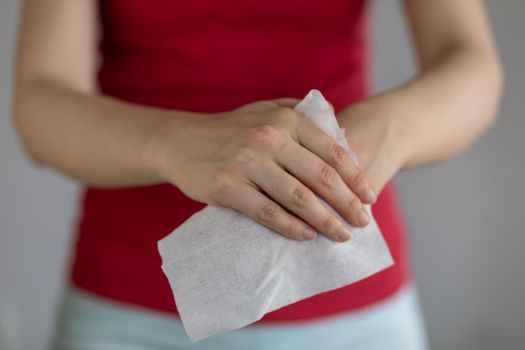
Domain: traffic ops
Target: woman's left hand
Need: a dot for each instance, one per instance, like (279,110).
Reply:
(372,134)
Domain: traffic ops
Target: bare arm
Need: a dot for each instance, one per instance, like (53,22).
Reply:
(63,122)
(66,125)
(443,109)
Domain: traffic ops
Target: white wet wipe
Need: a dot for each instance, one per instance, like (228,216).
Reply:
(227,270)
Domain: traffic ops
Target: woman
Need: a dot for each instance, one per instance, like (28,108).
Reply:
(192,104)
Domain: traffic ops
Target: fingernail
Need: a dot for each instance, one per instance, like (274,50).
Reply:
(363,218)
(344,233)
(371,195)
(309,234)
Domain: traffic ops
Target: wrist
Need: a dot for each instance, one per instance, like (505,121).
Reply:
(401,105)
(398,133)
(375,126)
(162,146)
(177,137)
(392,109)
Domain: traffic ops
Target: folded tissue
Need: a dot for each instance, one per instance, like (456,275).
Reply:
(227,270)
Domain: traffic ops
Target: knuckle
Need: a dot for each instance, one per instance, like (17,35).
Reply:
(244,154)
(354,204)
(330,223)
(358,177)
(266,135)
(265,103)
(292,229)
(301,196)
(338,154)
(267,213)
(222,181)
(283,114)
(328,176)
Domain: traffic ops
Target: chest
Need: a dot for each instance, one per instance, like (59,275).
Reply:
(174,17)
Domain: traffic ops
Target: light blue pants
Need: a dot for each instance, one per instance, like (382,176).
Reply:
(89,322)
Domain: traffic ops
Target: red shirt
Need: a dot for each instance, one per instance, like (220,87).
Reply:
(213,56)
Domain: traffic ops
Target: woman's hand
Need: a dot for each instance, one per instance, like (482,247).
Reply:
(267,161)
(371,132)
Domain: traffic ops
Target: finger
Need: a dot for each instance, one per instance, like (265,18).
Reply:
(316,140)
(299,199)
(250,201)
(324,180)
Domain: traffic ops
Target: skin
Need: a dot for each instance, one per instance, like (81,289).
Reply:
(262,159)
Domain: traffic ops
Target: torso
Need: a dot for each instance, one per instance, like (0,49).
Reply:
(211,56)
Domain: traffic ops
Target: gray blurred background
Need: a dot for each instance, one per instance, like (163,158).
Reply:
(466,216)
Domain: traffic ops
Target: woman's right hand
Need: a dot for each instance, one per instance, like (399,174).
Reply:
(267,161)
